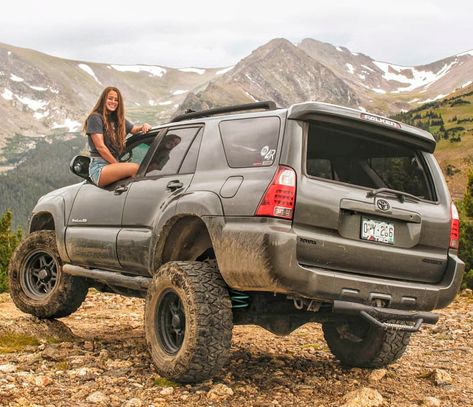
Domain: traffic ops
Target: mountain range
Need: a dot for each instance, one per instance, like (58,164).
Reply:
(42,94)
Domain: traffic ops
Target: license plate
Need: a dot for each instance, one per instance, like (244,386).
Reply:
(377,231)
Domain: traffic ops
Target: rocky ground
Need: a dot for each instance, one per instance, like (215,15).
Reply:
(98,356)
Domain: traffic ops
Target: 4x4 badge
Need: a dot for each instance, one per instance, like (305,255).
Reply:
(383,205)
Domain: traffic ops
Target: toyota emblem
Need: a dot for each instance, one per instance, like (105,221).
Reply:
(383,205)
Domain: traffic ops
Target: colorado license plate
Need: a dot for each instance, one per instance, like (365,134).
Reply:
(377,231)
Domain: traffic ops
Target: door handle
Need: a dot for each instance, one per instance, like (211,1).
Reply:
(120,189)
(175,184)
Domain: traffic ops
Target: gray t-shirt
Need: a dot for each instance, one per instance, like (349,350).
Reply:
(95,125)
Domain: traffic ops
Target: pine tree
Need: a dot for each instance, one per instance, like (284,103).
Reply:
(466,232)
(8,242)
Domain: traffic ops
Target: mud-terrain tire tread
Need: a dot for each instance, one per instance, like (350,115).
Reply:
(68,294)
(208,333)
(379,348)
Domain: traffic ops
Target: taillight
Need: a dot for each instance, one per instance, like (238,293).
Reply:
(279,199)
(454,227)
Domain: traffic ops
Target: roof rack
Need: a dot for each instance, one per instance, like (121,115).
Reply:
(268,105)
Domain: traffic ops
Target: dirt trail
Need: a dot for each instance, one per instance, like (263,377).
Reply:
(98,356)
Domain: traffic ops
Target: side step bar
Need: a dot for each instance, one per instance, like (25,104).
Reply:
(377,316)
(113,278)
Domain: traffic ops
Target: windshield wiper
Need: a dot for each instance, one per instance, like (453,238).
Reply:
(399,194)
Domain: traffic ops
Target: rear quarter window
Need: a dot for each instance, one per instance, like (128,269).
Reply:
(250,142)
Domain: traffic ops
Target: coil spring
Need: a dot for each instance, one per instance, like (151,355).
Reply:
(239,299)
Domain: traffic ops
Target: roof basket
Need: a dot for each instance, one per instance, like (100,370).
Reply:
(268,105)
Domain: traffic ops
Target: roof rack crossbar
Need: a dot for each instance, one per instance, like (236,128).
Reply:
(268,105)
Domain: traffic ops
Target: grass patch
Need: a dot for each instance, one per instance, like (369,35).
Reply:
(12,342)
(316,346)
(62,365)
(163,382)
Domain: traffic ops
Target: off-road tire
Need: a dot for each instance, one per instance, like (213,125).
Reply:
(65,293)
(357,343)
(204,312)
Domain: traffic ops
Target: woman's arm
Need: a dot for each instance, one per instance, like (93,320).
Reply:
(102,149)
(145,127)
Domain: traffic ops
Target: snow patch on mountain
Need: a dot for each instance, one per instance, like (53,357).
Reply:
(15,78)
(350,68)
(222,71)
(7,94)
(41,115)
(179,92)
(433,99)
(380,91)
(152,102)
(339,49)
(152,70)
(251,96)
(167,102)
(69,124)
(470,52)
(368,68)
(418,78)
(31,103)
(38,88)
(87,69)
(193,70)
(466,84)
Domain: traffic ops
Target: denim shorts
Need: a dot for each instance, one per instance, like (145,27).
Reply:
(95,168)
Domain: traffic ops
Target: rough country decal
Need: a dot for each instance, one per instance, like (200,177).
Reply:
(380,120)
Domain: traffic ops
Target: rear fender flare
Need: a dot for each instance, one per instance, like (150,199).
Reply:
(204,205)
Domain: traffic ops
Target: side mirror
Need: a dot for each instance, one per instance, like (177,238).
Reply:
(80,166)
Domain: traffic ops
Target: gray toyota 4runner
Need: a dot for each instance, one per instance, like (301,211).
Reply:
(256,215)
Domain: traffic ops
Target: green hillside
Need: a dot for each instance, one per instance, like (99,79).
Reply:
(42,168)
(450,120)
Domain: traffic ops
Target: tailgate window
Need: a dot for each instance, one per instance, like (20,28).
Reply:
(366,160)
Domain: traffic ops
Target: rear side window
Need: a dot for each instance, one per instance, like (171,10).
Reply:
(169,154)
(366,160)
(250,142)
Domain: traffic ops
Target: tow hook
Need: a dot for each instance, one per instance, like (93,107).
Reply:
(380,316)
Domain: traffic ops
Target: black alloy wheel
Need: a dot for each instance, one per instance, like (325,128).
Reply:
(171,321)
(38,276)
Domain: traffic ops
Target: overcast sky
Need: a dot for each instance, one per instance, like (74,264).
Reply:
(203,33)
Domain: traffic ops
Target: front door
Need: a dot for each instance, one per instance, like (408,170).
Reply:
(96,216)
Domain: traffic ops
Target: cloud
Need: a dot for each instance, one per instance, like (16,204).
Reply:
(205,33)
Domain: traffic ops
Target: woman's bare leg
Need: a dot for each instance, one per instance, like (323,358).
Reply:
(113,172)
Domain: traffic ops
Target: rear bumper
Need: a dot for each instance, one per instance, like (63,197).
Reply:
(260,255)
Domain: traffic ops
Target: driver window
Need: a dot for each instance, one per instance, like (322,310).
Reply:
(137,152)
(168,156)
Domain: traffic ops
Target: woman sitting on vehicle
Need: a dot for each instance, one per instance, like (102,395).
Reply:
(106,128)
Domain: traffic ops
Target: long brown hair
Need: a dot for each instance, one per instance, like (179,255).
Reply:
(116,136)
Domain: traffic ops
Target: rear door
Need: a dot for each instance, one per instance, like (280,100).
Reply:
(161,181)
(349,216)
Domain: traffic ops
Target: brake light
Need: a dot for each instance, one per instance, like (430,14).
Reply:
(454,227)
(279,199)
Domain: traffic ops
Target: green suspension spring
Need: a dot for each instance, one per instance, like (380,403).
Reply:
(239,299)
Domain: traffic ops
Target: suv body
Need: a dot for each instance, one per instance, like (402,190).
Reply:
(311,213)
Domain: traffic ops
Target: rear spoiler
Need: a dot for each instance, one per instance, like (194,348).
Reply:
(357,119)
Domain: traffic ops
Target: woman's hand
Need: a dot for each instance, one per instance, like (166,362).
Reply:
(145,127)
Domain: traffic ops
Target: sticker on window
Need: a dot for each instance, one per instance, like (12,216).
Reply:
(268,153)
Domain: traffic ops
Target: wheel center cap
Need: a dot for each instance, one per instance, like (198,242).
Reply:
(176,321)
(43,274)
